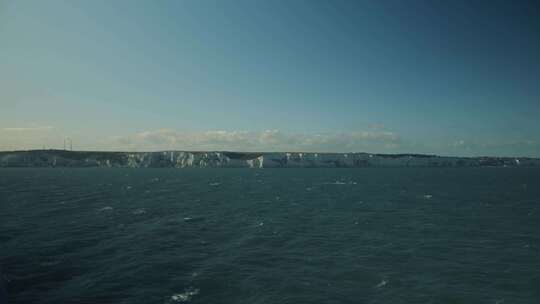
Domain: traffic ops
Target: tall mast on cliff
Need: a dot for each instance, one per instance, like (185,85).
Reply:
(70,142)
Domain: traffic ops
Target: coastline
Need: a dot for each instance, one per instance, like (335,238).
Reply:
(224,159)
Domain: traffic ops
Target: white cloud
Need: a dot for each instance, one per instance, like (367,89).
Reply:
(27,129)
(268,140)
(377,126)
(458,143)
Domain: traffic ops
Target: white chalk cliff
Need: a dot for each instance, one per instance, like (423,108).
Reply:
(184,159)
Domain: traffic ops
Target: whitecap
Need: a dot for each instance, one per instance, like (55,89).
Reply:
(139,211)
(214,184)
(428,196)
(184,296)
(335,183)
(381,284)
(108,208)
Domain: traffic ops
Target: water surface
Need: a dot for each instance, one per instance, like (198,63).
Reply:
(380,235)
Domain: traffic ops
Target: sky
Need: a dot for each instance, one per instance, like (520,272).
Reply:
(436,77)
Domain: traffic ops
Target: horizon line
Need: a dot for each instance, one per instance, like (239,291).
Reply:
(264,152)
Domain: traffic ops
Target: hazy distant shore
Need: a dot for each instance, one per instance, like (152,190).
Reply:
(215,159)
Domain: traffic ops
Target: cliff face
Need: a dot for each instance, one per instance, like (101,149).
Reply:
(181,159)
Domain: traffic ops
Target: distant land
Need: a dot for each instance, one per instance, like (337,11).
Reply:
(217,159)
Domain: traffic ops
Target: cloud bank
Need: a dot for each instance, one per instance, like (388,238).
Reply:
(27,129)
(375,139)
(268,140)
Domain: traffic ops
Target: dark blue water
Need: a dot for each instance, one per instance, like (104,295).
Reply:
(416,235)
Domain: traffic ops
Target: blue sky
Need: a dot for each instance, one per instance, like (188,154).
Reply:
(445,77)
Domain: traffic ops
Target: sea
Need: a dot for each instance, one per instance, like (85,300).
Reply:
(254,236)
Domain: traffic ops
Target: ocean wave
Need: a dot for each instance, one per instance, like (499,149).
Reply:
(184,296)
